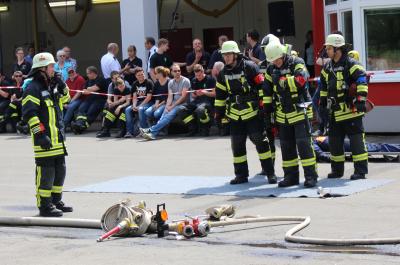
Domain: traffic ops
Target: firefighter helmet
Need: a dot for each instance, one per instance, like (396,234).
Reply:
(230,46)
(274,51)
(42,59)
(354,54)
(335,40)
(269,38)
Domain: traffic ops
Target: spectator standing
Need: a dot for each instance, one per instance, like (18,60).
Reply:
(160,58)
(21,64)
(160,94)
(31,53)
(309,53)
(255,52)
(216,56)
(75,83)
(62,66)
(109,61)
(197,56)
(69,59)
(142,91)
(129,65)
(177,95)
(150,46)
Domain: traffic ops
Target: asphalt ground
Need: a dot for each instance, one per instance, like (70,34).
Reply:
(369,214)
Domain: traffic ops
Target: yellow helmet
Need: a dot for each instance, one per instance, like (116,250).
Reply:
(354,54)
(42,59)
(274,50)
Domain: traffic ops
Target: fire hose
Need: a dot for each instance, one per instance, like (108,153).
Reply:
(125,219)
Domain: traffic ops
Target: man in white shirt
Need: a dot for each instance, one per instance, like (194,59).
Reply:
(109,61)
(150,45)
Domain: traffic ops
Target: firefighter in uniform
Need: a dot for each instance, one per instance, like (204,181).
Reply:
(269,125)
(286,79)
(196,113)
(42,107)
(114,112)
(238,89)
(346,108)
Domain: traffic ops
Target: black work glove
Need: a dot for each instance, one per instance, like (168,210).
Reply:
(57,82)
(275,77)
(43,140)
(360,106)
(323,102)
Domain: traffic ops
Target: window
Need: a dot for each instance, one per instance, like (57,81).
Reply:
(333,22)
(330,2)
(347,18)
(382,38)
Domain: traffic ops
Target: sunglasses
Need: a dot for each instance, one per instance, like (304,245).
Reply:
(18,75)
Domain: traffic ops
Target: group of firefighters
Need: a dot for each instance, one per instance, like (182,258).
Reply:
(253,97)
(281,84)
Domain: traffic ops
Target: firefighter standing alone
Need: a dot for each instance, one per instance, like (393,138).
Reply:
(42,106)
(238,90)
(346,108)
(285,80)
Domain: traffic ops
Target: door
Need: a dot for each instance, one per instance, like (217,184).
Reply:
(210,37)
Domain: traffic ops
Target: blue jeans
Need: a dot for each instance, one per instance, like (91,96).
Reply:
(165,119)
(70,111)
(142,116)
(131,119)
(156,114)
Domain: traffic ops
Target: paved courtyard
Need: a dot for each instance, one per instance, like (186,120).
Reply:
(368,214)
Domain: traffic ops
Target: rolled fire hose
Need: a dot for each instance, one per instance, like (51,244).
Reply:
(289,236)
(50,221)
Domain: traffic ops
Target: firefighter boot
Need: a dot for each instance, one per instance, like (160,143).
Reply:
(357,176)
(103,133)
(239,180)
(47,209)
(310,182)
(291,177)
(335,175)
(65,208)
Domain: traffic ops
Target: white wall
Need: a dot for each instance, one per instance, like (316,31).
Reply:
(246,14)
(102,26)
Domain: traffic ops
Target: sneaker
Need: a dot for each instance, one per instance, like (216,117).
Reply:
(144,130)
(128,135)
(148,136)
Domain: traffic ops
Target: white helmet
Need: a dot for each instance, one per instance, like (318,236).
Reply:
(274,50)
(268,39)
(42,59)
(335,40)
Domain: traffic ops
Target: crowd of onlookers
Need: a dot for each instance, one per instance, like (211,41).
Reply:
(135,96)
